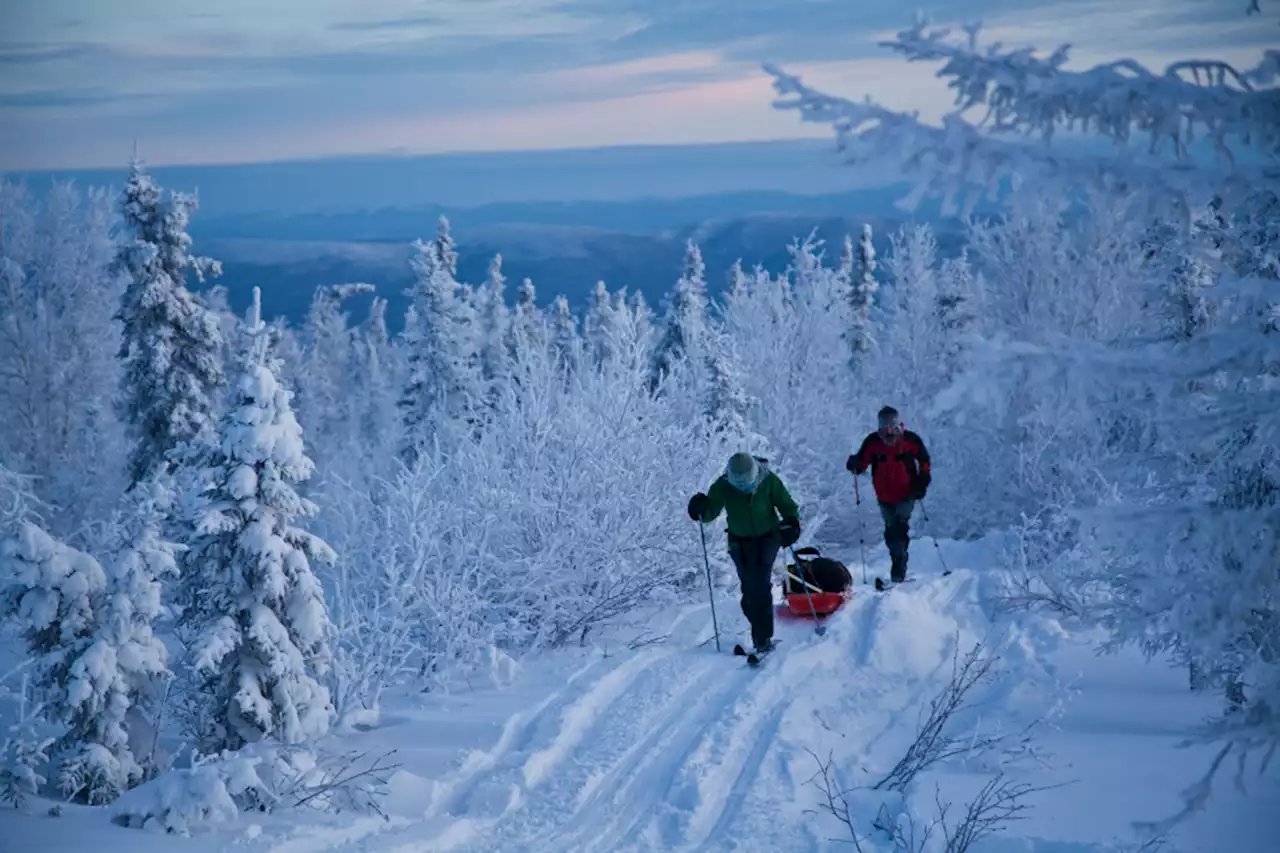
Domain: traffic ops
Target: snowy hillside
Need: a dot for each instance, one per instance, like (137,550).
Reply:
(652,740)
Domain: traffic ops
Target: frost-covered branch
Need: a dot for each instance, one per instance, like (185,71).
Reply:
(1025,95)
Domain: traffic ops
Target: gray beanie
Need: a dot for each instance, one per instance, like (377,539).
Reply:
(742,471)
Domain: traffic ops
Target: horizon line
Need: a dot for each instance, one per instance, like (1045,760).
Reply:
(401,154)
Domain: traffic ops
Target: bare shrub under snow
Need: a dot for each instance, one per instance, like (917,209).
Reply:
(941,736)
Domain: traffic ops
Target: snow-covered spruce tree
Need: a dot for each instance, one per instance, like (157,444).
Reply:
(565,345)
(844,270)
(684,334)
(171,346)
(643,315)
(737,282)
(495,332)
(254,618)
(52,597)
(443,383)
(324,401)
(960,294)
(58,340)
(598,327)
(378,368)
(636,324)
(862,291)
(114,683)
(528,324)
(24,749)
(728,407)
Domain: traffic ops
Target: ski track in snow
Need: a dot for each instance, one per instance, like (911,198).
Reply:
(675,747)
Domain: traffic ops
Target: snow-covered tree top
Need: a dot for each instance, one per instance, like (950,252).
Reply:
(263,429)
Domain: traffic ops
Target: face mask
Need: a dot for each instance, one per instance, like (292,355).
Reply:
(744,482)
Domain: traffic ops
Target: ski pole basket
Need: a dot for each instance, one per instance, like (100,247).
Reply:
(828,581)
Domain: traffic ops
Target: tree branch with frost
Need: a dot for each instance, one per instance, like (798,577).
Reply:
(1025,95)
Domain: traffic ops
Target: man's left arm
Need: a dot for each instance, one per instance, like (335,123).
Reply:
(924,461)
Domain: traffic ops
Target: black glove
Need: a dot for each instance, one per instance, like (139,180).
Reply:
(851,465)
(921,486)
(698,505)
(789,529)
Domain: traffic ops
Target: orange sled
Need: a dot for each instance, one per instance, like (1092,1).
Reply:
(827,582)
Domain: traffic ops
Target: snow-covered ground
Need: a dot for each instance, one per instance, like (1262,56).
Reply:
(673,746)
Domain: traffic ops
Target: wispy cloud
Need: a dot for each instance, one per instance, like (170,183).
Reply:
(279,78)
(415,22)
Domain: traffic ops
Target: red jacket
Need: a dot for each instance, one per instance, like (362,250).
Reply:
(899,471)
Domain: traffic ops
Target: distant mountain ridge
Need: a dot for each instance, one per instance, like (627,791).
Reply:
(621,173)
(648,215)
(559,258)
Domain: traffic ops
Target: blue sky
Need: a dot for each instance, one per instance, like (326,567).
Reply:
(261,80)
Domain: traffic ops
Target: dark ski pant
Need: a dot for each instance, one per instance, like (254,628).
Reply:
(897,530)
(753,558)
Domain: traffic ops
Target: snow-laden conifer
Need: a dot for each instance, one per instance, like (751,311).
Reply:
(171,344)
(684,335)
(253,609)
(115,682)
(443,382)
(862,291)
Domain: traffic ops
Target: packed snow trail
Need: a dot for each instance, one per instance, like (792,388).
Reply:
(675,746)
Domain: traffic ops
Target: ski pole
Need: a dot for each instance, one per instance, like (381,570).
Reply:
(706,561)
(818,627)
(862,531)
(936,546)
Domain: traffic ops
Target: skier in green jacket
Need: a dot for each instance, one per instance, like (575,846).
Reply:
(753,497)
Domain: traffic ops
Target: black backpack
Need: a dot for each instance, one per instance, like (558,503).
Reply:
(825,573)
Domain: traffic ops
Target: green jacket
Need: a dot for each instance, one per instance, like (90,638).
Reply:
(751,514)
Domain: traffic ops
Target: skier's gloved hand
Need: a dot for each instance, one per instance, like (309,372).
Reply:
(698,505)
(922,486)
(789,529)
(851,465)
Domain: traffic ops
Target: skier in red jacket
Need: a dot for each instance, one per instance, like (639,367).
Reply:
(899,465)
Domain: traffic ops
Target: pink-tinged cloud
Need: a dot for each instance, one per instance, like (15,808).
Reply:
(278,79)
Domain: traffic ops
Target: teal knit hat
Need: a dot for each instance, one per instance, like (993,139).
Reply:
(742,472)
